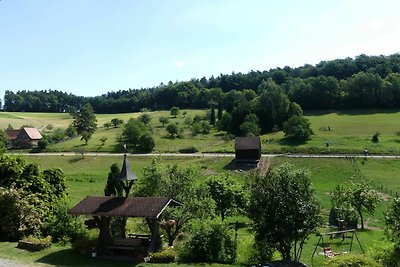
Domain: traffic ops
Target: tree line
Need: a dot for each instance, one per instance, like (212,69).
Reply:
(362,82)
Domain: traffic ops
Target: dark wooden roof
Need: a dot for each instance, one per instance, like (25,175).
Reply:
(126,172)
(145,207)
(247,143)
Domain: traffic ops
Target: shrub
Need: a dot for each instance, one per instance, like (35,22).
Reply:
(387,254)
(351,261)
(18,216)
(42,144)
(84,243)
(191,149)
(164,256)
(172,129)
(375,137)
(146,142)
(62,225)
(210,241)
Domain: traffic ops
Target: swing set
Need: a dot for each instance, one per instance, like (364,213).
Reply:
(327,250)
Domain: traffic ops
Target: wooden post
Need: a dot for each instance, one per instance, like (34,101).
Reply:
(155,234)
(104,239)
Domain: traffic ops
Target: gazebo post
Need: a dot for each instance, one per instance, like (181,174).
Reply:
(155,234)
(104,239)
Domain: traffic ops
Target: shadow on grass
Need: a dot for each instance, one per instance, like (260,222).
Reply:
(75,159)
(68,257)
(233,165)
(289,142)
(348,112)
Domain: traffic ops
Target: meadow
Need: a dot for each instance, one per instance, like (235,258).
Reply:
(348,131)
(87,176)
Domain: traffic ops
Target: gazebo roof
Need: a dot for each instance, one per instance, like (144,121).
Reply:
(145,207)
(126,172)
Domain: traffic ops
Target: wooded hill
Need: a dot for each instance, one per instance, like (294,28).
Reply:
(362,82)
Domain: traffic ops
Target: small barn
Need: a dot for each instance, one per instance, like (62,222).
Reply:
(25,135)
(247,149)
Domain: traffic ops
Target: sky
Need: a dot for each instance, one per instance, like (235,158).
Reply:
(89,48)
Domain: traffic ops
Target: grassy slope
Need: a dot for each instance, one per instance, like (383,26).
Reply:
(88,176)
(351,131)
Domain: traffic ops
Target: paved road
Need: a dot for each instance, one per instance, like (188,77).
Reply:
(214,155)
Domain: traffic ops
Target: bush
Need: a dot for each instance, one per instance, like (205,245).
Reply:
(61,224)
(18,216)
(210,241)
(164,256)
(387,254)
(191,149)
(84,243)
(375,137)
(146,143)
(42,144)
(351,261)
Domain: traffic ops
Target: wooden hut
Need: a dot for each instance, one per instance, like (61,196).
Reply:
(247,149)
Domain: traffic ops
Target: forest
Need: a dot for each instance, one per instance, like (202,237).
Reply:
(363,82)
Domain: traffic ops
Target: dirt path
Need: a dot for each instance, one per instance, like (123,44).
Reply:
(264,164)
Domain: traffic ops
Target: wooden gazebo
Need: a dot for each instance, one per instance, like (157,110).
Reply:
(103,208)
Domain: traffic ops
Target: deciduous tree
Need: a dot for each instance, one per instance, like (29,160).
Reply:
(284,209)
(359,196)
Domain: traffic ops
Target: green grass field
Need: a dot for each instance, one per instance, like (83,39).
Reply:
(88,177)
(350,132)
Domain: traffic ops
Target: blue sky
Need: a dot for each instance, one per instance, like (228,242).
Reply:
(89,47)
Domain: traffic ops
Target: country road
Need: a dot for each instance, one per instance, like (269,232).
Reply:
(214,155)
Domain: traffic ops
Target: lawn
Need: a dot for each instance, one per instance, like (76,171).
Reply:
(87,176)
(335,132)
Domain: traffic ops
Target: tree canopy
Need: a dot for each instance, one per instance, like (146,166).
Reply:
(362,82)
(284,209)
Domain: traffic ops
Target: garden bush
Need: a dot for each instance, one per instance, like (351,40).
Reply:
(84,243)
(18,216)
(387,254)
(210,241)
(60,224)
(165,256)
(351,260)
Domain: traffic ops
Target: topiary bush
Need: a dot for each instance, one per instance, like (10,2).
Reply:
(165,256)
(209,241)
(351,260)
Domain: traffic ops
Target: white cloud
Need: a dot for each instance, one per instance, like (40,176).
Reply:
(179,64)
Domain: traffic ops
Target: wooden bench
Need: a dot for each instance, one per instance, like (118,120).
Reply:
(125,244)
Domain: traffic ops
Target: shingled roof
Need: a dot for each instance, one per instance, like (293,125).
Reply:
(33,133)
(246,143)
(145,207)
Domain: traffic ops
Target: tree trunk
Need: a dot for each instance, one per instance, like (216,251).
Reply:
(361,218)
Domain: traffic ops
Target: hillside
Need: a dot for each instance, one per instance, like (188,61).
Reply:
(335,132)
